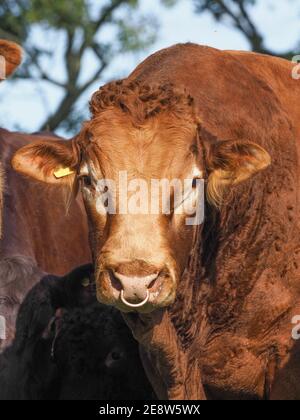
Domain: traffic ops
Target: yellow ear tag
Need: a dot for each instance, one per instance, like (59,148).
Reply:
(61,173)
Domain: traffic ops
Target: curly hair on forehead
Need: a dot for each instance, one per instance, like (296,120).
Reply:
(141,101)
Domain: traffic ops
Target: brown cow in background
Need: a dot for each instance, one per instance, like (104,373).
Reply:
(38,234)
(231,285)
(94,358)
(11,53)
(37,223)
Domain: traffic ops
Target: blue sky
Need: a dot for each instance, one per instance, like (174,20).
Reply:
(24,105)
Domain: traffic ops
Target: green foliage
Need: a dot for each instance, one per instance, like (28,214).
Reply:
(237,14)
(135,35)
(58,14)
(82,22)
(169,3)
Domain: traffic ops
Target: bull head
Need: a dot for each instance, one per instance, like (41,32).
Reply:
(147,134)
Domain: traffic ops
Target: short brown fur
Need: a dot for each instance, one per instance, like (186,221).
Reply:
(228,333)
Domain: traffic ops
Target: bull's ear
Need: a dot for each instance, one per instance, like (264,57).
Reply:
(10,55)
(232,162)
(52,161)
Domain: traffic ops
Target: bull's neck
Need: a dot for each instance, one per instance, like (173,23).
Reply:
(172,372)
(225,263)
(231,252)
(238,243)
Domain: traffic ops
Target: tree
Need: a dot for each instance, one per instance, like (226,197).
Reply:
(237,14)
(82,23)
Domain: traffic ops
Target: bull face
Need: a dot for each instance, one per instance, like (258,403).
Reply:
(139,234)
(141,239)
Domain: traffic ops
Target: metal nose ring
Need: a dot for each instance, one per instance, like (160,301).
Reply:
(134,305)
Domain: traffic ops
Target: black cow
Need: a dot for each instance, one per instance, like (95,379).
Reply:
(68,346)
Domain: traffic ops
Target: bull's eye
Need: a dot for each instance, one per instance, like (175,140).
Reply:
(195,182)
(86,180)
(187,204)
(114,358)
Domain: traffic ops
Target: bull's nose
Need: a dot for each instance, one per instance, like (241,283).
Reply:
(134,290)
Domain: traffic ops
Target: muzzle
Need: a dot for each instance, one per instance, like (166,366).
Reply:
(135,305)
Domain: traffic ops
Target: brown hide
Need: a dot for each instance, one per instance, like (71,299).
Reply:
(228,334)
(233,311)
(37,223)
(39,233)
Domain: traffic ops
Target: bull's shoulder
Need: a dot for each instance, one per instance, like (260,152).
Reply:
(274,70)
(206,62)
(160,64)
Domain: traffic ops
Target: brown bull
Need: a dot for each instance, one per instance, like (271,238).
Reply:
(230,284)
(37,223)
(37,233)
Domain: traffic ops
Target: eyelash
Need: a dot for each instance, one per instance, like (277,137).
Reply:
(86,180)
(194,186)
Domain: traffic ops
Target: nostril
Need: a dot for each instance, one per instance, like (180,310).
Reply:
(115,282)
(152,284)
(134,289)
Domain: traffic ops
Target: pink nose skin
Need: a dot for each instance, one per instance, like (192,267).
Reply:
(136,289)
